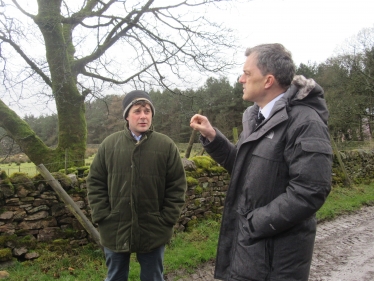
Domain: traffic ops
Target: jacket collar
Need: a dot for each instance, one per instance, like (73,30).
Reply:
(146,134)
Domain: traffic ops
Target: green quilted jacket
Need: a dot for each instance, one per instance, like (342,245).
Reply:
(136,191)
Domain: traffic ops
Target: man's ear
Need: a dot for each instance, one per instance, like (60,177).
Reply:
(269,81)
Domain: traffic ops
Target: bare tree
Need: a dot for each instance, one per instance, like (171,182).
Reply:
(72,50)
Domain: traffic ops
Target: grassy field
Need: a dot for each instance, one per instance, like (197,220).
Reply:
(14,164)
(28,168)
(185,253)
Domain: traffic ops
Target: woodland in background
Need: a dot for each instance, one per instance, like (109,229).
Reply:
(348,82)
(220,101)
(347,79)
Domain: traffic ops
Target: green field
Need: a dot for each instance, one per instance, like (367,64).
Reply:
(29,168)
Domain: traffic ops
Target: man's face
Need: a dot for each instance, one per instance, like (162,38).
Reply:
(139,118)
(253,81)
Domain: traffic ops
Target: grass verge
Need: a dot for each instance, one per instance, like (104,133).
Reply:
(346,200)
(184,254)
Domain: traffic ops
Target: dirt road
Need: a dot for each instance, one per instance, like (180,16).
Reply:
(344,251)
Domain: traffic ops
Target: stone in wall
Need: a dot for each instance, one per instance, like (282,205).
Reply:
(37,211)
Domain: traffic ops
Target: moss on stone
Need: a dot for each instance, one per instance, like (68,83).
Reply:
(6,238)
(37,178)
(20,232)
(205,164)
(191,224)
(5,181)
(22,179)
(198,190)
(63,179)
(69,232)
(28,241)
(5,254)
(3,175)
(191,181)
(71,170)
(60,242)
(217,169)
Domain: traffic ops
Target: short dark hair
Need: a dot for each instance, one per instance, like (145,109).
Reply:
(274,59)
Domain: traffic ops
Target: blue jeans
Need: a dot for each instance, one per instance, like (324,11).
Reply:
(151,265)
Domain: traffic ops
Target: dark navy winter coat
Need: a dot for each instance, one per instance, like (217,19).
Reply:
(280,176)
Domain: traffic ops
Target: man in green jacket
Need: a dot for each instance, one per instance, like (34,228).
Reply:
(136,190)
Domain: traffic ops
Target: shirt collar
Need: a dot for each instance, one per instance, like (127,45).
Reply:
(267,108)
(136,137)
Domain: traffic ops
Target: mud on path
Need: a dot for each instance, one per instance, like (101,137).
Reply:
(344,251)
(344,248)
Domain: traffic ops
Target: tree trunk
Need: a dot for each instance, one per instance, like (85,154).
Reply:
(22,134)
(72,129)
(72,133)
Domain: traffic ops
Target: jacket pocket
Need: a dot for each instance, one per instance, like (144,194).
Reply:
(159,218)
(154,231)
(316,145)
(250,258)
(108,230)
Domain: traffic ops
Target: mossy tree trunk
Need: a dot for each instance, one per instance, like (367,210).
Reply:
(69,101)
(72,133)
(94,27)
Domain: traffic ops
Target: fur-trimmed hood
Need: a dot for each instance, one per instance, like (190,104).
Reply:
(301,92)
(307,92)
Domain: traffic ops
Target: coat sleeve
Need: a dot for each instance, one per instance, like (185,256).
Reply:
(97,188)
(175,187)
(221,150)
(308,155)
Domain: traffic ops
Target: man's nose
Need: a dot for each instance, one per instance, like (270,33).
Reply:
(241,79)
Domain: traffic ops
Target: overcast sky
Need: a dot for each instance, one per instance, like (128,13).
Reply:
(310,29)
(313,30)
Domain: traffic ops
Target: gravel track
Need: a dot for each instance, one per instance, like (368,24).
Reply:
(344,251)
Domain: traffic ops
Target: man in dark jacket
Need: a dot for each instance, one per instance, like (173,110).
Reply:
(136,190)
(280,171)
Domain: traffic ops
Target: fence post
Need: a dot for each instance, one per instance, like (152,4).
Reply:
(66,161)
(347,180)
(192,138)
(235,134)
(70,204)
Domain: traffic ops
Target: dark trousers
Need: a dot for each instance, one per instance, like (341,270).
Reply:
(151,265)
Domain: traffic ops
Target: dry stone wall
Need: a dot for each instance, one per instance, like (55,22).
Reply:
(359,165)
(30,208)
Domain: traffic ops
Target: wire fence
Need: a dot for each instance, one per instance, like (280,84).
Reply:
(31,169)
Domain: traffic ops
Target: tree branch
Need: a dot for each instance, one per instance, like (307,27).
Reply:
(22,10)
(27,60)
(114,81)
(113,36)
(86,12)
